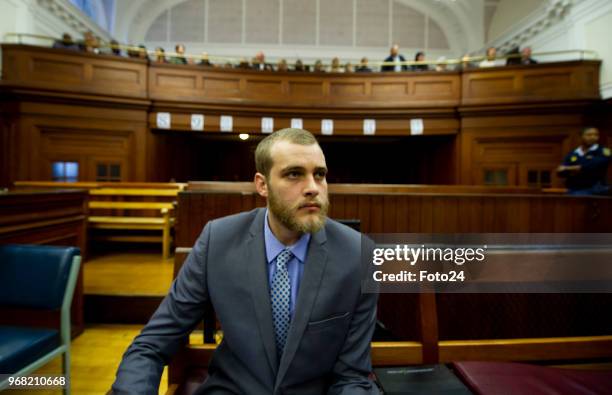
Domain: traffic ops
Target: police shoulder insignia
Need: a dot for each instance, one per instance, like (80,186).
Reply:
(606,152)
(574,158)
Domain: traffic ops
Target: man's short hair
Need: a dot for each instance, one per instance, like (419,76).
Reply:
(586,129)
(263,158)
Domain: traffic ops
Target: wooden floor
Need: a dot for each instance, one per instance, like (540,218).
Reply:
(95,357)
(127,271)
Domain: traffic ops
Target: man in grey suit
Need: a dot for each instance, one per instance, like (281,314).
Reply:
(285,282)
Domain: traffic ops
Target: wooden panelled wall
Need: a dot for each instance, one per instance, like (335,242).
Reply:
(445,209)
(60,105)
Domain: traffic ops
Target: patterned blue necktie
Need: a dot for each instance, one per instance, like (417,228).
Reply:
(280,296)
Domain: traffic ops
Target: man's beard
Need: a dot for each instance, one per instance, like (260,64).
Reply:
(287,215)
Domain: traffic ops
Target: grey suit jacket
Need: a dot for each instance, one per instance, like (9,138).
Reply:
(328,348)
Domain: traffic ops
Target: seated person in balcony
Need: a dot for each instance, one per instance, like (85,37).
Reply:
(526,58)
(244,64)
(466,62)
(335,65)
(299,65)
(180,55)
(441,65)
(348,68)
(282,65)
(160,55)
(491,60)
(396,59)
(115,48)
(318,67)
(363,66)
(419,57)
(90,43)
(142,52)
(66,43)
(259,62)
(250,266)
(585,167)
(204,61)
(523,59)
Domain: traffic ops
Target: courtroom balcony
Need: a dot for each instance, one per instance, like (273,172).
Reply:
(497,126)
(106,77)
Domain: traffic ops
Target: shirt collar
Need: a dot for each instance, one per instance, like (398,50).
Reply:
(274,246)
(580,151)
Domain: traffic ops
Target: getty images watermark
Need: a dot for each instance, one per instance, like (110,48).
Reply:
(488,263)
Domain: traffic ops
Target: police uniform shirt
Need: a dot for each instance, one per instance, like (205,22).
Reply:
(593,167)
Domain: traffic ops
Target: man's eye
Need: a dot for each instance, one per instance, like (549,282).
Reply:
(320,175)
(293,174)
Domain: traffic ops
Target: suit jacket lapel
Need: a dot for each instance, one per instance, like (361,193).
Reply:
(316,260)
(260,288)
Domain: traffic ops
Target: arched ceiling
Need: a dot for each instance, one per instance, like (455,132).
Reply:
(459,23)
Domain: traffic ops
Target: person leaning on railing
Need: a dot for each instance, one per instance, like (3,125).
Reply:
(394,62)
(363,66)
(66,43)
(180,55)
(419,57)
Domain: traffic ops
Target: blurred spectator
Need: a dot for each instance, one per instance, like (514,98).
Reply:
(363,66)
(466,63)
(259,62)
(491,60)
(66,43)
(244,64)
(132,51)
(160,55)
(204,61)
(513,56)
(419,57)
(142,52)
(282,65)
(441,65)
(115,48)
(318,67)
(395,58)
(348,67)
(526,56)
(335,65)
(180,55)
(90,43)
(299,66)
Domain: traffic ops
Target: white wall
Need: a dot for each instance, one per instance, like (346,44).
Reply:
(508,13)
(588,26)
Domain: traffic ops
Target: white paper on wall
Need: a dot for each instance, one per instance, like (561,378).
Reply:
(327,127)
(197,122)
(267,125)
(369,127)
(226,123)
(416,126)
(297,123)
(164,120)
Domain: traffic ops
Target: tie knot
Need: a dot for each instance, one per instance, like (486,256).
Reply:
(284,257)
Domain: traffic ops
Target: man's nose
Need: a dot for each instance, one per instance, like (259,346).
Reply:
(311,188)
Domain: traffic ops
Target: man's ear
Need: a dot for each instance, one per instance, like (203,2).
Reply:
(260,185)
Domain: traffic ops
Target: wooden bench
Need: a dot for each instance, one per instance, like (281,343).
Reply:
(125,206)
(164,221)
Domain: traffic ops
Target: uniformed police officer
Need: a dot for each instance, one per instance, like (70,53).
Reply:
(585,167)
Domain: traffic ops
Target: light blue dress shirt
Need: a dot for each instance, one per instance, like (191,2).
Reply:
(295,266)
